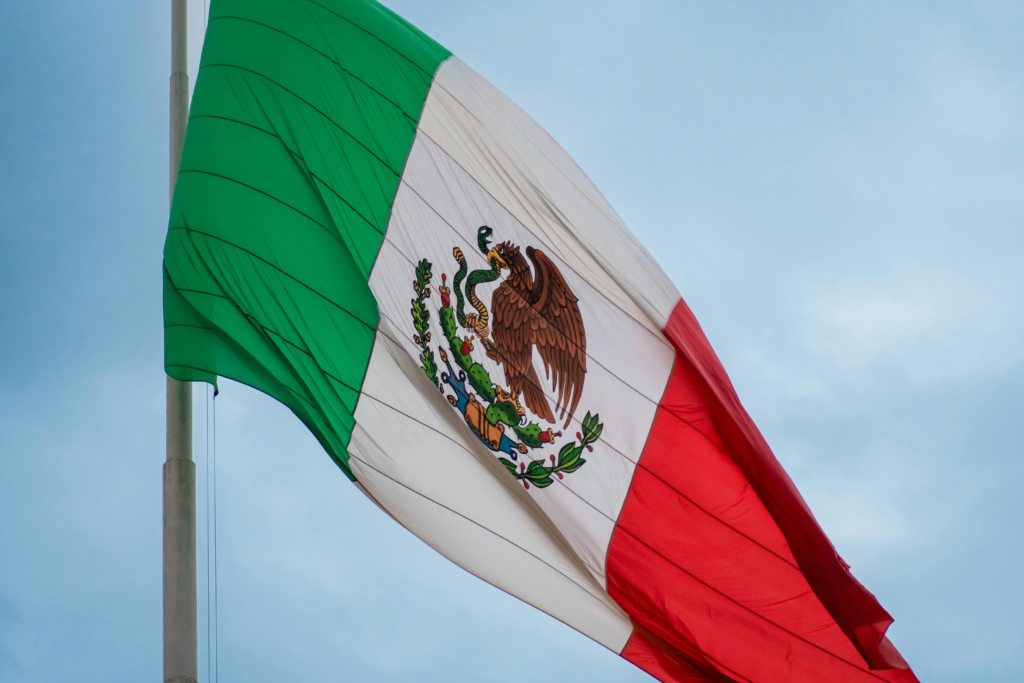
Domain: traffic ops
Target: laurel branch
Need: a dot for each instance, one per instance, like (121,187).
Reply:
(540,473)
(421,319)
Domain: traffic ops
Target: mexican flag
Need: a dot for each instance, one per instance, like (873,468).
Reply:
(371,233)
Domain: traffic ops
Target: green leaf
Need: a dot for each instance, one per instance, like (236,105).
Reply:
(578,463)
(592,429)
(535,467)
(570,455)
(423,274)
(428,364)
(420,317)
(509,464)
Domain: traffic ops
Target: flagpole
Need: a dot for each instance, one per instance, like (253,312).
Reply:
(180,624)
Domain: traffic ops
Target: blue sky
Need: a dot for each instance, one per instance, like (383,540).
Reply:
(837,189)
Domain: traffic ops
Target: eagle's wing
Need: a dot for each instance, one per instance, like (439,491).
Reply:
(511,329)
(556,328)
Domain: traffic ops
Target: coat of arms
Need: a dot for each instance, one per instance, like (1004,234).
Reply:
(532,310)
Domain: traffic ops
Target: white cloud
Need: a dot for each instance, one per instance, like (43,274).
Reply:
(930,325)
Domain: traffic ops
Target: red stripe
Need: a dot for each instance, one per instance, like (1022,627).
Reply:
(718,560)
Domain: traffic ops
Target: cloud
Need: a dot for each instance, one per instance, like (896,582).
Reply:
(931,325)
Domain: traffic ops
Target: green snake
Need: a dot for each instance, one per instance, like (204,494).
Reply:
(477,277)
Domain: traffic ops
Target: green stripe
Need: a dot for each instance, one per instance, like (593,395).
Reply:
(301,122)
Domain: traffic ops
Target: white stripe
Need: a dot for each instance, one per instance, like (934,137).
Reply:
(478,160)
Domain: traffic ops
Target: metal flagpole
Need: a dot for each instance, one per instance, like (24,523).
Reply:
(180,624)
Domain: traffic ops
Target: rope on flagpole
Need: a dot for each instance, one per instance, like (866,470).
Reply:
(208,633)
(212,616)
(216,588)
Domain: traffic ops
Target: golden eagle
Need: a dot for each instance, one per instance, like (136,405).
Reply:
(538,309)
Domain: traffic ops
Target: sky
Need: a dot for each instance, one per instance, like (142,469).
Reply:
(837,190)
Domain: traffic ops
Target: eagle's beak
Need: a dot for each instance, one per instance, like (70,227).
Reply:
(493,255)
